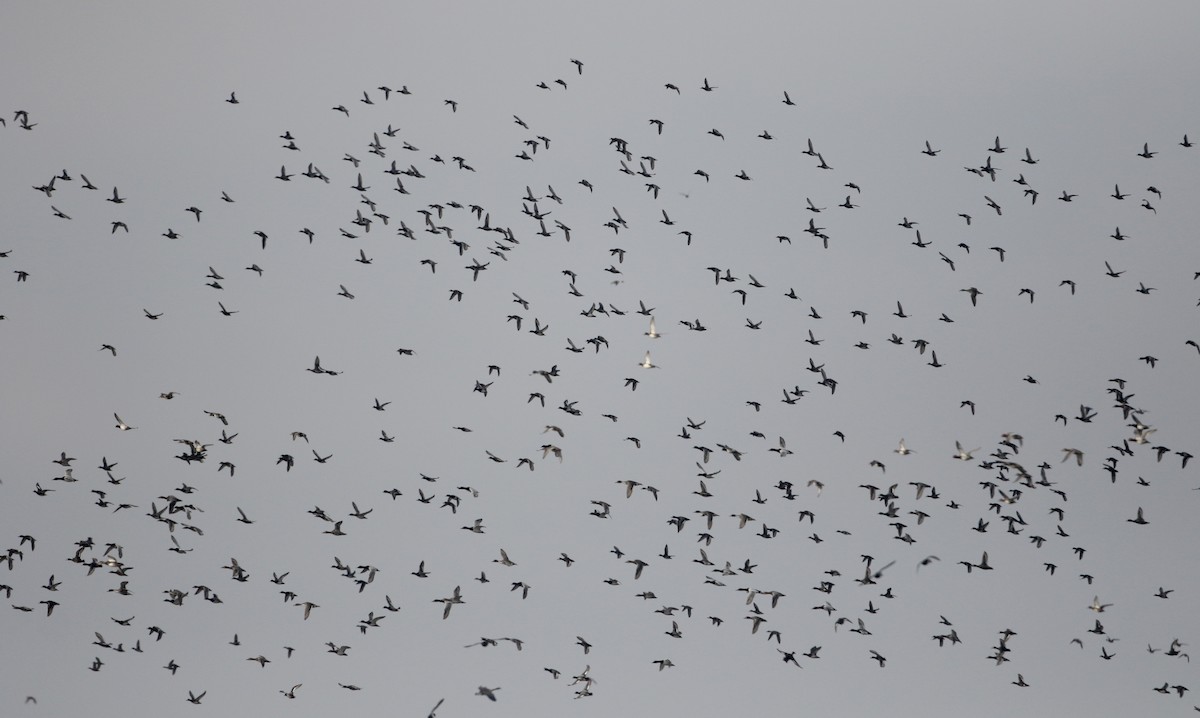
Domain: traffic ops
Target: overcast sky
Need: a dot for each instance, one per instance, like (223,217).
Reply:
(1082,309)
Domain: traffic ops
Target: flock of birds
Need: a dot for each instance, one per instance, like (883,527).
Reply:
(708,511)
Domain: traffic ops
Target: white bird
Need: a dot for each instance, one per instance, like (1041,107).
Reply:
(902,449)
(122,425)
(450,601)
(646,364)
(962,453)
(653,333)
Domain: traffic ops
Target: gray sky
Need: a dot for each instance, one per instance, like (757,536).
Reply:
(134,97)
